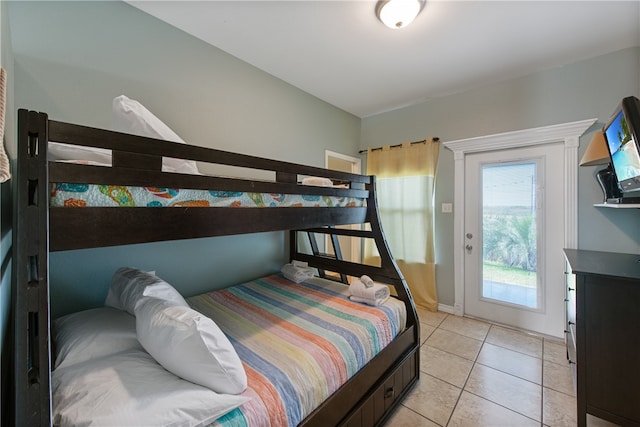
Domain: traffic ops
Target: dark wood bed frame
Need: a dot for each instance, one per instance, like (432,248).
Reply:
(365,400)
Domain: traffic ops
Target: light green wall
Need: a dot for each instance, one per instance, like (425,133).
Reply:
(588,89)
(73,58)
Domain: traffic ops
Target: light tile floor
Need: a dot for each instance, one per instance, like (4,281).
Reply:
(477,374)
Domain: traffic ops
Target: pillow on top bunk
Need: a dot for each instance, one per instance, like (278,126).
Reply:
(317,181)
(190,345)
(129,285)
(93,333)
(58,151)
(131,389)
(130,116)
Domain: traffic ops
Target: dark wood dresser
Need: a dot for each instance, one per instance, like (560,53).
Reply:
(603,334)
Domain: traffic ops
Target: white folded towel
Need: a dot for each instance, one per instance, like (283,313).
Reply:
(297,273)
(366,280)
(377,294)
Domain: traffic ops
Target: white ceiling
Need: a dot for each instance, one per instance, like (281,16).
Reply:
(340,52)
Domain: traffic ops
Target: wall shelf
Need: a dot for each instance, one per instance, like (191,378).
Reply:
(618,205)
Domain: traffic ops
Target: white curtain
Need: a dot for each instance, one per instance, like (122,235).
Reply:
(405,177)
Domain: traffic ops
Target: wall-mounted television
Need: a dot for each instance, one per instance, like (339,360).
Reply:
(622,134)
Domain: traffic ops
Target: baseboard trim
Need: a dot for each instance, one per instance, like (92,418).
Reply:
(446,308)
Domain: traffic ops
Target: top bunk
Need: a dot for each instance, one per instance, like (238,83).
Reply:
(136,166)
(305,200)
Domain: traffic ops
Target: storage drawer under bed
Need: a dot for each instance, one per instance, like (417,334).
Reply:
(389,392)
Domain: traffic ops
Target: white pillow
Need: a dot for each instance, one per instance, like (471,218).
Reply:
(93,333)
(129,285)
(317,181)
(131,389)
(190,345)
(58,151)
(129,116)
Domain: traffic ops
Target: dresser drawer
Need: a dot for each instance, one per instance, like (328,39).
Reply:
(570,323)
(570,336)
(570,299)
(571,344)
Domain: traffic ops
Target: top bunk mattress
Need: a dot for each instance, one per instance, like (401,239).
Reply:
(298,342)
(95,195)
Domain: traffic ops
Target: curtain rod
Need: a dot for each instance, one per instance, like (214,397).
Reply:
(435,139)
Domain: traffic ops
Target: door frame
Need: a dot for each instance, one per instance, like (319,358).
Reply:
(356,162)
(568,133)
(356,167)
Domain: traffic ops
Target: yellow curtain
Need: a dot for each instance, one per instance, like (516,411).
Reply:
(405,177)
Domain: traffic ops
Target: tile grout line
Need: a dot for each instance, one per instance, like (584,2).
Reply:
(541,359)
(475,362)
(462,389)
(508,373)
(435,327)
(544,344)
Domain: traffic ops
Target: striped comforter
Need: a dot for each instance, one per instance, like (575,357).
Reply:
(298,342)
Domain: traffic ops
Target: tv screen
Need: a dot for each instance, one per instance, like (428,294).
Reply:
(621,134)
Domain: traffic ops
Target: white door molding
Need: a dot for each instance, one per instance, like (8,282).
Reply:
(355,166)
(568,133)
(356,162)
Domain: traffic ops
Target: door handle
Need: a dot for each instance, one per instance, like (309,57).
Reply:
(468,248)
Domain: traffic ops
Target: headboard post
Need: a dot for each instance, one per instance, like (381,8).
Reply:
(30,290)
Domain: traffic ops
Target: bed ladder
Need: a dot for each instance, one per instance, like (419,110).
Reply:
(337,252)
(386,272)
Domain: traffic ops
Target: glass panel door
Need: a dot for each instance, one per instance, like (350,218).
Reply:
(509,234)
(513,237)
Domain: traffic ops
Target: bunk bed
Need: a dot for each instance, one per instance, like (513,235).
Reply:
(43,225)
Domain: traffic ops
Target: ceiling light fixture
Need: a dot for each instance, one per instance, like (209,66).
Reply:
(398,13)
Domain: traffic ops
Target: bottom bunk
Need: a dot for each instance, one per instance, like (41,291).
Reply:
(309,356)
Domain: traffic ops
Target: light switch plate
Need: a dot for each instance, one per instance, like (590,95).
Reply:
(447,207)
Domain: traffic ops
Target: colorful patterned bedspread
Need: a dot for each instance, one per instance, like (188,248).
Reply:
(81,195)
(298,343)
